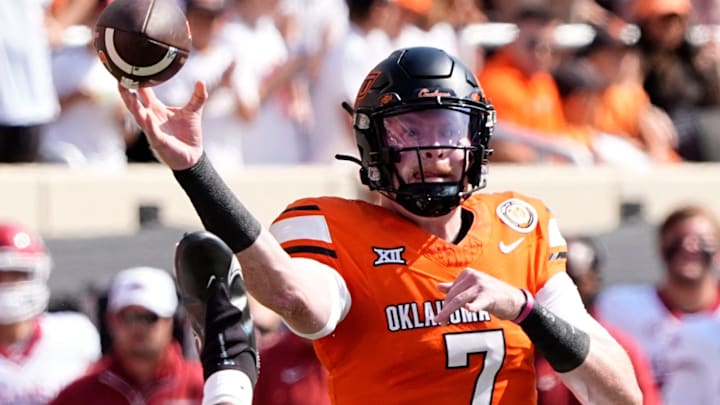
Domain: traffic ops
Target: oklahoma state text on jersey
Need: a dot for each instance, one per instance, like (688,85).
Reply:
(388,349)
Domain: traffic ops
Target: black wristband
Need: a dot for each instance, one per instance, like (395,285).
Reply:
(564,346)
(219,210)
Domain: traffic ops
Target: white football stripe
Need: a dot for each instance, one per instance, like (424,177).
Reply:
(555,238)
(312,227)
(118,61)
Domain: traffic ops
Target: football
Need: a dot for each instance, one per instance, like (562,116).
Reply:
(142,42)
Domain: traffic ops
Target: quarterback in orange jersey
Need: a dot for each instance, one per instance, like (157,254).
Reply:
(389,344)
(432,294)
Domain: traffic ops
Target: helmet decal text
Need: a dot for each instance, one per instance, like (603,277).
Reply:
(425,92)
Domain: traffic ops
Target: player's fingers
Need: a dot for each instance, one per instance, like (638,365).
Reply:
(480,303)
(453,302)
(148,96)
(133,105)
(444,287)
(128,98)
(198,98)
(154,133)
(443,316)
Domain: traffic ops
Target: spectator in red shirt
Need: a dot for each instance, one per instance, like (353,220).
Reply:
(145,365)
(584,263)
(291,373)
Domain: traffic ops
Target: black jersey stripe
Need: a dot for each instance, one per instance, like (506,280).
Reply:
(557,256)
(311,249)
(302,208)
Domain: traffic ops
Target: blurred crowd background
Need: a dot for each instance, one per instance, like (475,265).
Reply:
(583,82)
(629,84)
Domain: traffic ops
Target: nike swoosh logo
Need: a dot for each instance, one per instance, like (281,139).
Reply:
(509,248)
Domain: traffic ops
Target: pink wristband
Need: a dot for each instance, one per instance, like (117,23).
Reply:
(527,306)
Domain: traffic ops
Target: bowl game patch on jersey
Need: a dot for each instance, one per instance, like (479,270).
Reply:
(518,215)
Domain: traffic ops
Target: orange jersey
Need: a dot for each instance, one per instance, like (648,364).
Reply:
(388,349)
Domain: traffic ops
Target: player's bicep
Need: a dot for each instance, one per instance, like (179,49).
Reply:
(304,233)
(332,301)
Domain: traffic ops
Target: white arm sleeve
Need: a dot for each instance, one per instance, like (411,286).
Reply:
(339,296)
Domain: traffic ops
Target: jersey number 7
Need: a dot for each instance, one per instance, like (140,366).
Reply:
(491,343)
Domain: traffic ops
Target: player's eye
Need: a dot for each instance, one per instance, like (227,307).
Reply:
(412,133)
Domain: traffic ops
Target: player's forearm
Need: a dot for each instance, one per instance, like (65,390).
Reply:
(593,366)
(605,377)
(217,206)
(590,361)
(270,273)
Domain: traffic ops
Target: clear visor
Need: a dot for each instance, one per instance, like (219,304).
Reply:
(433,127)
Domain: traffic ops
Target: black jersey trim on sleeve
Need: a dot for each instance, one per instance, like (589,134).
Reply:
(311,249)
(302,208)
(557,256)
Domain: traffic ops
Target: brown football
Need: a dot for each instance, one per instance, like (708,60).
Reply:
(142,42)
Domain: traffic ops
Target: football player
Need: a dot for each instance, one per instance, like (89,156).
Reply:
(677,320)
(40,352)
(432,294)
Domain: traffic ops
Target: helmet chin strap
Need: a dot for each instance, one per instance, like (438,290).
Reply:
(429,199)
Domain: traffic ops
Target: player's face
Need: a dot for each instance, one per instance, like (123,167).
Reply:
(686,243)
(667,30)
(445,131)
(533,49)
(139,333)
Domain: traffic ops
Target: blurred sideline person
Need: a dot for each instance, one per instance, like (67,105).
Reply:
(89,131)
(263,81)
(625,107)
(27,97)
(516,77)
(658,316)
(40,352)
(584,266)
(680,76)
(398,295)
(340,75)
(145,364)
(291,373)
(581,87)
(213,63)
